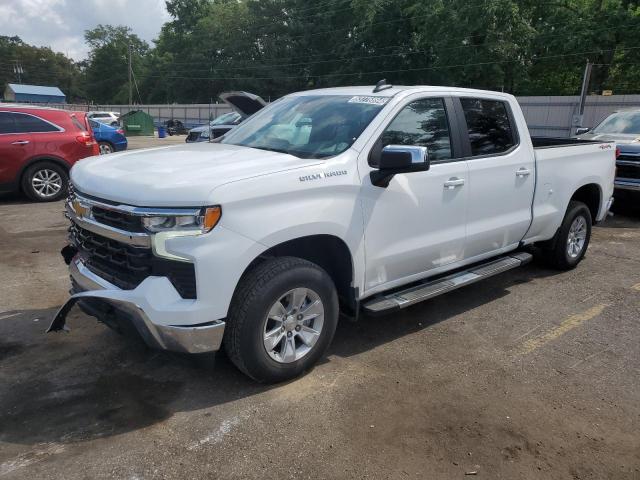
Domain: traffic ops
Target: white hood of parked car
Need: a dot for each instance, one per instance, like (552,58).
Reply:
(182,175)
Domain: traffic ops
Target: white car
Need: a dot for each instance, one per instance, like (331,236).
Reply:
(108,118)
(347,200)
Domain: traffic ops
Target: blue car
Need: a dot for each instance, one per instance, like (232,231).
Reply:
(111,139)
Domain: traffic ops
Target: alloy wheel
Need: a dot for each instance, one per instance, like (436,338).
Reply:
(46,183)
(577,237)
(293,325)
(105,148)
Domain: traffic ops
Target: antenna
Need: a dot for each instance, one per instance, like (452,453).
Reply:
(382,85)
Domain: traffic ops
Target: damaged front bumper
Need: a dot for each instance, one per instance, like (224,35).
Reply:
(148,308)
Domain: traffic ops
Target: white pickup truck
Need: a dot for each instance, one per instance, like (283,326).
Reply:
(326,202)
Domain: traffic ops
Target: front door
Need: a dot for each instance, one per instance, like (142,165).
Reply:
(416,224)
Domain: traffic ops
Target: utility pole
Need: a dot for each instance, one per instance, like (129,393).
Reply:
(578,119)
(130,88)
(17,69)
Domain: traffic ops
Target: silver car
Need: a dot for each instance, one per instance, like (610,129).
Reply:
(108,118)
(622,127)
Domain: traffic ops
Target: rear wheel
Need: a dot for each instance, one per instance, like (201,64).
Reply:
(105,147)
(570,244)
(45,182)
(282,319)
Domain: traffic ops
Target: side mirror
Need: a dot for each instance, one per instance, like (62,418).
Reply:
(395,159)
(582,130)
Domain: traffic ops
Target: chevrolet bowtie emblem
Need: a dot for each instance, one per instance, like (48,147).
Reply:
(80,209)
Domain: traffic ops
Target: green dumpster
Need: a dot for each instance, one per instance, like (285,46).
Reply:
(137,122)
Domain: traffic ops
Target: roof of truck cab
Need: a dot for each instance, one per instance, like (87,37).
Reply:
(394,90)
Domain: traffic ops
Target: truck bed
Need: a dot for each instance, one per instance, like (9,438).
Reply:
(552,142)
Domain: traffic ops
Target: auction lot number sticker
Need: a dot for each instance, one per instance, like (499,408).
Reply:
(369,99)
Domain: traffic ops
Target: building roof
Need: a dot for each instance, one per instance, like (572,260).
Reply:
(35,90)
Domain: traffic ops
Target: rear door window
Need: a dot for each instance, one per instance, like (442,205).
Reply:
(32,124)
(7,123)
(490,131)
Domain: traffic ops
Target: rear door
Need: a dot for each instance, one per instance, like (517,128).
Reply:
(16,147)
(501,177)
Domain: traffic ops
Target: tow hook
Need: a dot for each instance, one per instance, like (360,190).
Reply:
(68,253)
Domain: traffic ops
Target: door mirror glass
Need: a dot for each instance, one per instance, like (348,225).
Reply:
(582,130)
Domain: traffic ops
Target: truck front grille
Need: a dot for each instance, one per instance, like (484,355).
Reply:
(193,136)
(126,267)
(121,220)
(628,171)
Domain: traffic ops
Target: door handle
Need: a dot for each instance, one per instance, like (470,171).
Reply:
(454,183)
(20,142)
(523,172)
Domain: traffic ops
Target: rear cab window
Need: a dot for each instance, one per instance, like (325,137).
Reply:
(489,126)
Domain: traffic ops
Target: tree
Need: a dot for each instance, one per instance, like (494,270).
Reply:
(108,63)
(39,66)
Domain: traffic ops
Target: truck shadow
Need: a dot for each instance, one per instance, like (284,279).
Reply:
(626,213)
(93,383)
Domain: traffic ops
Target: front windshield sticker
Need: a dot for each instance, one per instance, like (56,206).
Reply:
(370,100)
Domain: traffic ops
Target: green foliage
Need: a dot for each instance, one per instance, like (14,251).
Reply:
(273,47)
(107,66)
(276,46)
(41,66)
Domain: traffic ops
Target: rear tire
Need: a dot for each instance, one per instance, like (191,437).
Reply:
(45,182)
(105,148)
(567,249)
(282,319)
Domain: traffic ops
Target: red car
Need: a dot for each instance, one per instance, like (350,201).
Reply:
(38,147)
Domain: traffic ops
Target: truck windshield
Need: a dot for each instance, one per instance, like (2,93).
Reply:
(308,126)
(621,122)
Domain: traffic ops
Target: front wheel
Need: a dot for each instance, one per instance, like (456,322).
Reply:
(281,320)
(45,182)
(570,244)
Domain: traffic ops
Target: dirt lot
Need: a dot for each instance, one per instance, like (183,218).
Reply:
(532,374)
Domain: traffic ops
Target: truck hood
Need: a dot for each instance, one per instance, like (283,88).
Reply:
(181,175)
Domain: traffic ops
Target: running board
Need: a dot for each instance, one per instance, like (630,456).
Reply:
(425,291)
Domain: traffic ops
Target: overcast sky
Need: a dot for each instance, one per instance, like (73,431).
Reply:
(60,24)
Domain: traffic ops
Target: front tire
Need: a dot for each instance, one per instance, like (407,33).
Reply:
(45,182)
(281,320)
(568,247)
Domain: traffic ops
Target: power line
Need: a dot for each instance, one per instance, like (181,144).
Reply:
(380,72)
(448,41)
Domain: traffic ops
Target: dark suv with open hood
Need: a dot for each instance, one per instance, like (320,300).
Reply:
(244,104)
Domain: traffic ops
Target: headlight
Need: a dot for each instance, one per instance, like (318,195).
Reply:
(204,134)
(203,222)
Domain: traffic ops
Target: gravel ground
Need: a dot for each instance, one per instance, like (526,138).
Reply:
(531,374)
